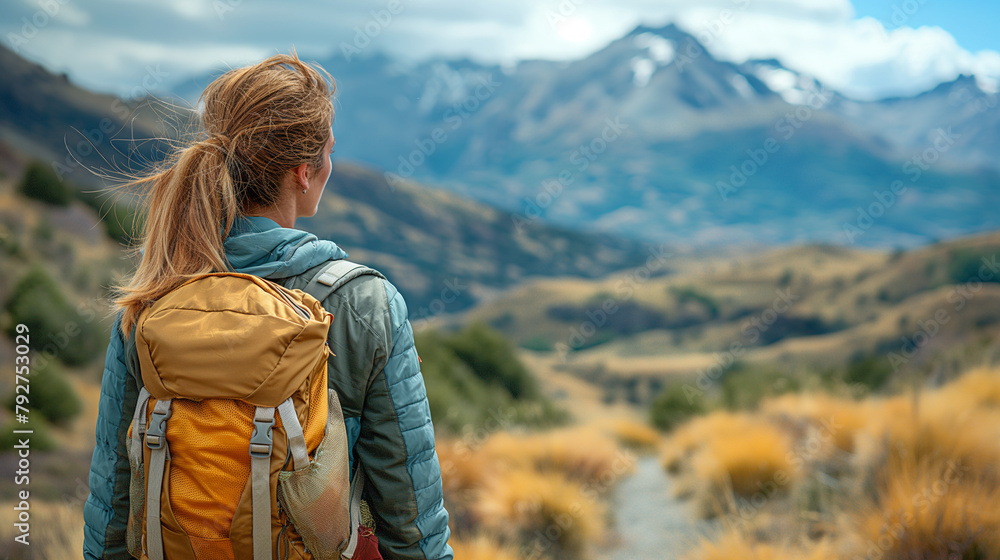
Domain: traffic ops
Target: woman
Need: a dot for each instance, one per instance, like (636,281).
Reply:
(229,202)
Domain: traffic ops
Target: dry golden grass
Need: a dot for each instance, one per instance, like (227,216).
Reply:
(635,435)
(949,424)
(748,461)
(724,454)
(978,388)
(522,505)
(931,509)
(933,466)
(481,548)
(686,439)
(735,545)
(583,454)
(463,468)
(541,491)
(835,420)
(922,479)
(56,531)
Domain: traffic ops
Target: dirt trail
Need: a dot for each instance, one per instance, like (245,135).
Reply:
(651,524)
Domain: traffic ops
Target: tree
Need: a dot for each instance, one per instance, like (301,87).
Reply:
(41,183)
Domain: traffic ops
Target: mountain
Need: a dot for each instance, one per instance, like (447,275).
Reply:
(656,139)
(443,251)
(44,116)
(961,107)
(446,252)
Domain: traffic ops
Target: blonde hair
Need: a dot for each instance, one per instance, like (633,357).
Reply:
(259,122)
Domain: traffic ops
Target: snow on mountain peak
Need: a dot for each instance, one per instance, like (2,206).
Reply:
(796,89)
(659,52)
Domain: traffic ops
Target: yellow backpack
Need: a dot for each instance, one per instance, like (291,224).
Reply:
(237,448)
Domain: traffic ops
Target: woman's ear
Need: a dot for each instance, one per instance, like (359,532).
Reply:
(301,173)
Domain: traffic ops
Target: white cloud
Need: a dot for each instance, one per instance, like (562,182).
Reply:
(138,65)
(107,45)
(858,57)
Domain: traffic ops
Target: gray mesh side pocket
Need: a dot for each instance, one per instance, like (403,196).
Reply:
(316,497)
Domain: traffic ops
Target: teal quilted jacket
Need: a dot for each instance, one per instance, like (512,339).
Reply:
(375,371)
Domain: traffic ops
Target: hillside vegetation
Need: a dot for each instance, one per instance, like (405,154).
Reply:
(799,315)
(815,476)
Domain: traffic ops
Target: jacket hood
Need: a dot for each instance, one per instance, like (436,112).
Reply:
(259,246)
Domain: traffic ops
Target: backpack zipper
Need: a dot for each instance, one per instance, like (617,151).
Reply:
(300,310)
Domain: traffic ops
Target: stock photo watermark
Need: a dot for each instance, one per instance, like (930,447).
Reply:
(752,330)
(914,169)
(364,34)
(929,327)
(785,128)
(580,159)
(33,24)
(597,317)
(453,118)
(93,138)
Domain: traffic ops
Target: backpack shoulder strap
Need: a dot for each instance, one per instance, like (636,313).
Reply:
(333,275)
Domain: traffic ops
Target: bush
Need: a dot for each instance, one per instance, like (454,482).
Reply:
(55,326)
(120,220)
(677,403)
(872,372)
(41,439)
(456,396)
(51,395)
(492,358)
(744,386)
(41,183)
(966,265)
(690,294)
(471,377)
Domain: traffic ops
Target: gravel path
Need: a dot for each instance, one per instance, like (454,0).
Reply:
(650,523)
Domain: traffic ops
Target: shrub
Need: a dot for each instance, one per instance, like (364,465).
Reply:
(493,359)
(932,509)
(457,398)
(525,505)
(836,421)
(965,265)
(41,439)
(744,385)
(690,294)
(931,476)
(747,460)
(635,435)
(725,455)
(51,395)
(872,372)
(581,454)
(41,183)
(734,544)
(55,326)
(677,403)
(121,222)
(468,389)
(481,548)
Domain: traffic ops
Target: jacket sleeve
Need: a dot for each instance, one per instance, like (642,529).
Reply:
(105,513)
(396,449)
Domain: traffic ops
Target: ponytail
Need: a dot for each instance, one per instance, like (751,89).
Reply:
(192,204)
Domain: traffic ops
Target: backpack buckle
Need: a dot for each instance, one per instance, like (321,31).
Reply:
(156,431)
(260,441)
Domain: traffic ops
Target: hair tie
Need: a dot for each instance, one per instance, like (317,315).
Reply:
(218,139)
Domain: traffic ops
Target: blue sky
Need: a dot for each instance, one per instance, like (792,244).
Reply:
(858,48)
(972,22)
